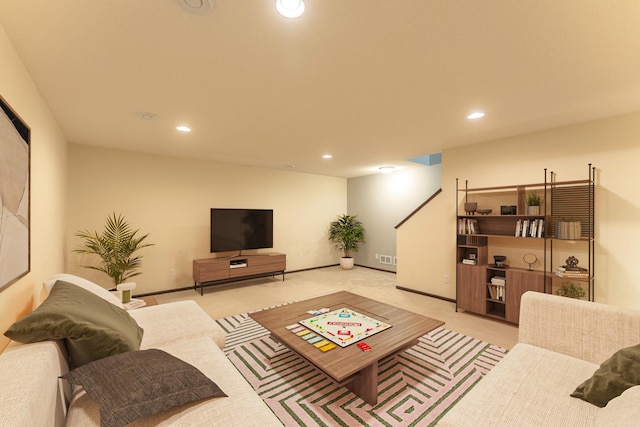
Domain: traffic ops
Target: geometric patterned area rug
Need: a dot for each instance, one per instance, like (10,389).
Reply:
(416,387)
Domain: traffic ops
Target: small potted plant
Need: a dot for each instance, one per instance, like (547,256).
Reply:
(115,246)
(533,203)
(347,232)
(571,290)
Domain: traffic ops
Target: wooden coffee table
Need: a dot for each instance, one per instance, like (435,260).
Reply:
(349,366)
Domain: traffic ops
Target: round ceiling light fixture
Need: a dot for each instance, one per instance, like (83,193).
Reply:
(290,8)
(386,169)
(183,128)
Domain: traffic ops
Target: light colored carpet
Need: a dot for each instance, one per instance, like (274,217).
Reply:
(415,388)
(250,295)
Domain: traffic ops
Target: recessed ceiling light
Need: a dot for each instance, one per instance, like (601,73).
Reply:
(327,156)
(386,169)
(183,128)
(476,115)
(290,8)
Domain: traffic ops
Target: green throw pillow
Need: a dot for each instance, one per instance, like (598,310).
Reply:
(91,327)
(616,374)
(141,383)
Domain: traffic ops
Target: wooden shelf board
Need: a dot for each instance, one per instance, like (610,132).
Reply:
(528,186)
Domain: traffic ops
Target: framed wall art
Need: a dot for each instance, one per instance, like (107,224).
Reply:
(15,167)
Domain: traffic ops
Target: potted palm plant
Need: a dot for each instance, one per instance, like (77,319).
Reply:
(115,246)
(347,232)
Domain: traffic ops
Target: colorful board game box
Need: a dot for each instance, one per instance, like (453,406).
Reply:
(344,326)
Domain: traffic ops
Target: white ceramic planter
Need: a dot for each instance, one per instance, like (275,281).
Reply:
(346,263)
(533,210)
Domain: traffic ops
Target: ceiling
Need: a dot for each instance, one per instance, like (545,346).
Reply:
(372,82)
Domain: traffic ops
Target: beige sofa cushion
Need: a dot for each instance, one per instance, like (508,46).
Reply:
(176,322)
(530,386)
(623,411)
(242,407)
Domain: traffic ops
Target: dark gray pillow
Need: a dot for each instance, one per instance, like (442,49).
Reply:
(137,384)
(616,374)
(91,327)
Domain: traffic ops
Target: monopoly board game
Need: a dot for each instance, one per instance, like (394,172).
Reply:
(344,326)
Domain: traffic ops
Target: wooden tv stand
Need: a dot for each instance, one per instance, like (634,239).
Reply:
(215,271)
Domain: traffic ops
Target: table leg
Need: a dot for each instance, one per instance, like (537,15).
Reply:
(365,384)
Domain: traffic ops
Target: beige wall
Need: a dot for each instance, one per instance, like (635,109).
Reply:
(48,186)
(612,145)
(170,199)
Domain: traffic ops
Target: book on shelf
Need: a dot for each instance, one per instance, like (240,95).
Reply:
(493,292)
(572,268)
(572,276)
(496,292)
(498,280)
(568,274)
(134,303)
(468,226)
(529,228)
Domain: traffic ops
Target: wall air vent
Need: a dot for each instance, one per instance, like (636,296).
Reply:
(386,259)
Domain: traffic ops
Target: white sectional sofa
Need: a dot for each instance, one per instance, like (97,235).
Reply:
(561,343)
(33,395)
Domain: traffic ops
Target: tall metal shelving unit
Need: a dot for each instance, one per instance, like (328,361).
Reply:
(570,201)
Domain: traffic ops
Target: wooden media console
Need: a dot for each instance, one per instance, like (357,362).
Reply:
(215,271)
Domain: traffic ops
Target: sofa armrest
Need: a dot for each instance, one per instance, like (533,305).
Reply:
(586,330)
(30,392)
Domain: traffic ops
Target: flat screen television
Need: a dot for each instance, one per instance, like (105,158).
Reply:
(240,229)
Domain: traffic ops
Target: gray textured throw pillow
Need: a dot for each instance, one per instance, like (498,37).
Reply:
(137,384)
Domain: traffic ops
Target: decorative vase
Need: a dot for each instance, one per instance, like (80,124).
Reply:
(126,289)
(470,208)
(568,230)
(346,263)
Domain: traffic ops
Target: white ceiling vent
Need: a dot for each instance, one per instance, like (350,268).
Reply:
(197,7)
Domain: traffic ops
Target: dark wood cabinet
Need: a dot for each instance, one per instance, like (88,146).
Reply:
(471,288)
(211,271)
(488,217)
(519,282)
